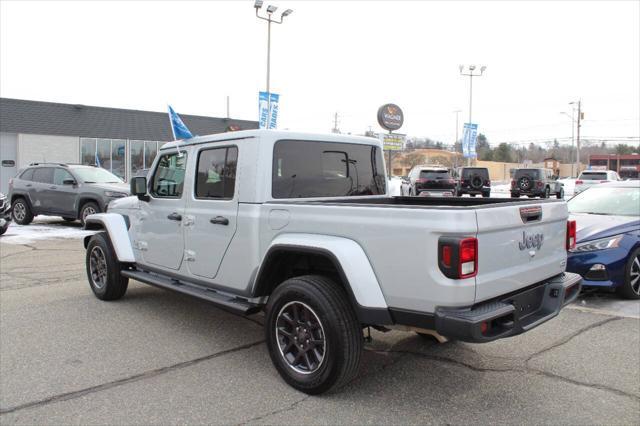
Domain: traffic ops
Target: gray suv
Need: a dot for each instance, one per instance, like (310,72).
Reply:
(68,190)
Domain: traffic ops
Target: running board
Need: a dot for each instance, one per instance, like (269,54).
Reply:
(224,301)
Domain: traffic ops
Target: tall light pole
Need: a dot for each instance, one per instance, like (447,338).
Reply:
(269,17)
(578,125)
(573,124)
(469,72)
(457,113)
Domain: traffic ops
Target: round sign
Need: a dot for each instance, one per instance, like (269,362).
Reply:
(390,117)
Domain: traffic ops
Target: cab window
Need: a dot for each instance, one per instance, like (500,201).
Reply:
(216,177)
(168,177)
(43,175)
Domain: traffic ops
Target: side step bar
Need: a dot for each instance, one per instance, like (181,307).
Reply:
(229,303)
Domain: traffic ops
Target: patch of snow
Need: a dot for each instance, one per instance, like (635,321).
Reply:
(394,186)
(43,228)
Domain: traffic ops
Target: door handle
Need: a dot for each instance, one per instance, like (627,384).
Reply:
(219,220)
(175,216)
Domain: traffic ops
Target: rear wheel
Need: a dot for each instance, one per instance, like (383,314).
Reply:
(515,195)
(104,270)
(486,194)
(472,194)
(21,212)
(4,228)
(631,287)
(313,334)
(560,195)
(546,192)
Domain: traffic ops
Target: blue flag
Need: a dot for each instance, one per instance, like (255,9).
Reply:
(469,137)
(178,128)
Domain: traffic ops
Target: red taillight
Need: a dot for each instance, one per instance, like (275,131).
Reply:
(458,257)
(513,183)
(446,256)
(578,182)
(571,234)
(468,262)
(540,184)
(488,183)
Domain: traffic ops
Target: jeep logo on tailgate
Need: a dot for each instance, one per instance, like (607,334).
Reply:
(531,241)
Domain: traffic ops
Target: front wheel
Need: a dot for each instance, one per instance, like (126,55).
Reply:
(631,287)
(313,335)
(87,209)
(103,269)
(4,228)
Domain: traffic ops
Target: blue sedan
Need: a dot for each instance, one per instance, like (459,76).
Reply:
(607,251)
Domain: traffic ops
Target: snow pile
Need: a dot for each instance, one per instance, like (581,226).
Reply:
(43,228)
(394,186)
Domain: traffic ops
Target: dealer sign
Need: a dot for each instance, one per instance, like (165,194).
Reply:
(390,117)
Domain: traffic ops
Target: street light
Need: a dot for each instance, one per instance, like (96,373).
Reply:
(270,17)
(573,122)
(470,73)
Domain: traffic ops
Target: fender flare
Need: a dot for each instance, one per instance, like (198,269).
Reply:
(117,229)
(348,257)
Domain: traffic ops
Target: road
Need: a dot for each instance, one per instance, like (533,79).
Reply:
(156,357)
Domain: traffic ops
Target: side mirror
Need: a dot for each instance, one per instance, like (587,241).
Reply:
(69,182)
(139,188)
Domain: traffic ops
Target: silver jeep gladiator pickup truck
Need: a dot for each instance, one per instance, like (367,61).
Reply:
(303,227)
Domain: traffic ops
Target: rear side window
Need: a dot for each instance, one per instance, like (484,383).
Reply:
(305,169)
(168,178)
(43,175)
(593,176)
(217,173)
(27,175)
(434,174)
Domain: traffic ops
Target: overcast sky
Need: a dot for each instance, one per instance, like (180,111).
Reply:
(345,57)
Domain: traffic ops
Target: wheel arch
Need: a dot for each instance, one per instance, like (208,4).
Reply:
(338,258)
(84,199)
(116,226)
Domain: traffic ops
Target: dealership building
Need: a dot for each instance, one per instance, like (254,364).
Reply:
(627,166)
(123,141)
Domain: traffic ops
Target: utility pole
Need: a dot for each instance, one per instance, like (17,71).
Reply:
(578,137)
(457,112)
(227,107)
(335,123)
(471,74)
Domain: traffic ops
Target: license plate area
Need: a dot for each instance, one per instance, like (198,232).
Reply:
(527,302)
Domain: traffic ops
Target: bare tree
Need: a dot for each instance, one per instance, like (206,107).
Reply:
(413,159)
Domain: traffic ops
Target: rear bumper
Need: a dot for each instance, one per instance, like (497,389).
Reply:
(506,316)
(511,315)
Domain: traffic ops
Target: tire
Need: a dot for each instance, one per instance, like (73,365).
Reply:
(69,219)
(560,195)
(20,211)
(320,301)
(486,194)
(4,228)
(476,182)
(103,269)
(514,195)
(472,194)
(411,192)
(631,287)
(546,192)
(88,208)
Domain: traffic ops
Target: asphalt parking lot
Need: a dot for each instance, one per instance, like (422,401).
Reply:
(155,357)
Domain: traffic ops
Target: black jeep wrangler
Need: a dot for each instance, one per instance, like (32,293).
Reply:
(472,181)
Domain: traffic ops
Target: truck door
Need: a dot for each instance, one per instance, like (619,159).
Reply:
(212,209)
(160,236)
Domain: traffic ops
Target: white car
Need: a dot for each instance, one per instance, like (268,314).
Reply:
(303,227)
(588,178)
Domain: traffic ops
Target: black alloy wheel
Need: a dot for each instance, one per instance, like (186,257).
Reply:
(301,337)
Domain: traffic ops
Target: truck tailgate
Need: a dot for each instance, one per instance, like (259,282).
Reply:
(517,247)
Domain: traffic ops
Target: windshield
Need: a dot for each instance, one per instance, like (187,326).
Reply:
(434,174)
(95,175)
(593,176)
(607,201)
(484,173)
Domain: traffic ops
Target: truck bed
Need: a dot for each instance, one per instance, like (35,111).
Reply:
(431,202)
